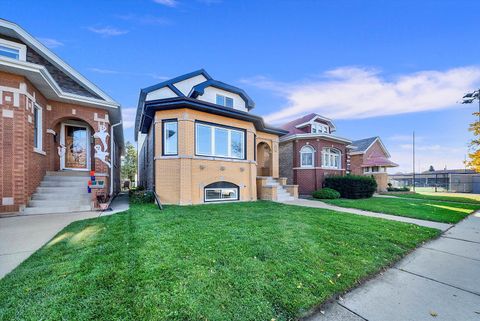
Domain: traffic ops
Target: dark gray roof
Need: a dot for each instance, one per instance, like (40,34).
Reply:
(362,144)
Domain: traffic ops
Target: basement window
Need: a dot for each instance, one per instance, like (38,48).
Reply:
(221,191)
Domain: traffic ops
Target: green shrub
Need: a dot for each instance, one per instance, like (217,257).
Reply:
(352,186)
(326,193)
(398,189)
(142,197)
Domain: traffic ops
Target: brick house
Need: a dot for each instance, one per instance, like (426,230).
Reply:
(199,142)
(310,152)
(55,127)
(370,157)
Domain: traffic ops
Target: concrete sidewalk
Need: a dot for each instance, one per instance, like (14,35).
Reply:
(319,204)
(439,281)
(22,235)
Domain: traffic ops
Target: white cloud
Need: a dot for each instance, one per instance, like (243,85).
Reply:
(108,31)
(104,71)
(50,42)
(168,3)
(128,115)
(355,92)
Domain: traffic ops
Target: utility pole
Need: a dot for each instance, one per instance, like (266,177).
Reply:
(413,161)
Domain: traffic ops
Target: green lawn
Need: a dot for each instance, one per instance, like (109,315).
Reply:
(238,261)
(446,212)
(449,197)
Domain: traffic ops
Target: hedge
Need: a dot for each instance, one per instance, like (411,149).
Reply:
(326,193)
(352,186)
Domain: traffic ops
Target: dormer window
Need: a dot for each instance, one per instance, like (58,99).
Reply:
(318,128)
(12,50)
(224,101)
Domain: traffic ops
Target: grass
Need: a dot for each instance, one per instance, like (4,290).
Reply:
(445,212)
(449,197)
(237,261)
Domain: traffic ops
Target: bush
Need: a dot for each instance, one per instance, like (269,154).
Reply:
(326,193)
(398,189)
(142,197)
(352,186)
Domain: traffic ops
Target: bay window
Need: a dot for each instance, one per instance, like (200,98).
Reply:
(331,158)
(219,141)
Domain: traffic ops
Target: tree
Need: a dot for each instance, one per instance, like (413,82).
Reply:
(474,156)
(431,169)
(129,163)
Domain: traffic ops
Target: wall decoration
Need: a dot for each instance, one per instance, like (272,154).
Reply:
(101,150)
(101,155)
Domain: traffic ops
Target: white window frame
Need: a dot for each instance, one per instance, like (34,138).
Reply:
(212,142)
(303,152)
(39,125)
(328,158)
(22,49)
(225,100)
(221,193)
(165,122)
(317,128)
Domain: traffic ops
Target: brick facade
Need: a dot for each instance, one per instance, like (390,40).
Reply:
(181,179)
(21,167)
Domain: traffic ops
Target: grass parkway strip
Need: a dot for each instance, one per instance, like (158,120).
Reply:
(238,261)
(445,212)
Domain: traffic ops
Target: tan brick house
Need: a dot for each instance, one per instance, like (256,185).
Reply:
(55,127)
(310,152)
(370,157)
(199,143)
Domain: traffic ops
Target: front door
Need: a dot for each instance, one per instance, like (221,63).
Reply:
(75,138)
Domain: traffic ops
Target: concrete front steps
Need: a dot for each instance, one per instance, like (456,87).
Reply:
(282,194)
(61,192)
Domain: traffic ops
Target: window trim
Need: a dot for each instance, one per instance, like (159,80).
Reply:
(22,49)
(38,133)
(164,121)
(312,151)
(229,128)
(224,100)
(329,153)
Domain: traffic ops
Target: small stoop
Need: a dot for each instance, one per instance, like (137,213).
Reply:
(282,194)
(60,192)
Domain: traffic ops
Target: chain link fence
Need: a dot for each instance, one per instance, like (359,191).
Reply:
(439,182)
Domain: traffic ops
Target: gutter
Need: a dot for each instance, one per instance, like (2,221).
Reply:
(112,155)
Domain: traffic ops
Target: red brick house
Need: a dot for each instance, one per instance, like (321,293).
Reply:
(369,156)
(310,152)
(55,127)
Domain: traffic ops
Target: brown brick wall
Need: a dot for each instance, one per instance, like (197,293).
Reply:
(22,168)
(308,179)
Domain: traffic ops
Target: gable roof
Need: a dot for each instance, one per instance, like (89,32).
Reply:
(41,70)
(196,91)
(362,145)
(294,126)
(200,88)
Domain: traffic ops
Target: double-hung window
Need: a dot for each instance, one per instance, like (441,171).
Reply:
(224,101)
(331,158)
(170,137)
(307,156)
(318,128)
(219,141)
(37,128)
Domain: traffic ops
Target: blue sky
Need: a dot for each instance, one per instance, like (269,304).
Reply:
(381,68)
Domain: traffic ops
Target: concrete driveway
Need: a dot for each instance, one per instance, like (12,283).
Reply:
(22,235)
(439,281)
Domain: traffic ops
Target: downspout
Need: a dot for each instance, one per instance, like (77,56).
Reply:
(112,155)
